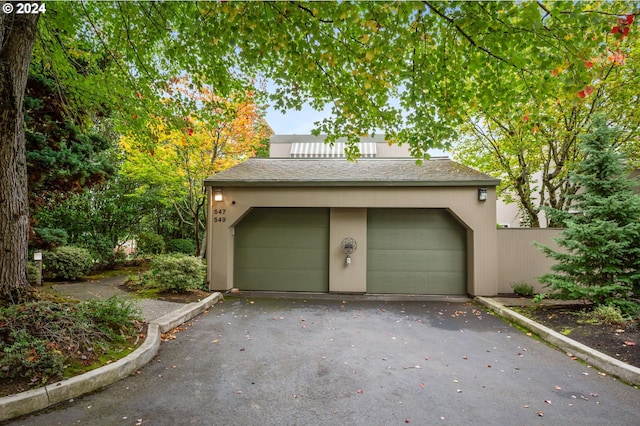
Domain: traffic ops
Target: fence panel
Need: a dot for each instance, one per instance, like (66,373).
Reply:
(519,260)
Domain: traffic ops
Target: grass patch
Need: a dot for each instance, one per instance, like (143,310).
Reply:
(125,270)
(77,367)
(522,289)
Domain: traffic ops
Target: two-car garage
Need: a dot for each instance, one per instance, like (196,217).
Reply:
(408,251)
(278,224)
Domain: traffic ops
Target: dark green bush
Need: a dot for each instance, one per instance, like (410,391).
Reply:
(181,245)
(51,237)
(32,273)
(39,339)
(101,248)
(522,289)
(149,243)
(69,263)
(26,355)
(112,317)
(175,273)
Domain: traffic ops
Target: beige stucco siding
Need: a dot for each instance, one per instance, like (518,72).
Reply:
(348,214)
(343,277)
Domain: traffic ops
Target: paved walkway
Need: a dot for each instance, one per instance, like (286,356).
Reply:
(107,287)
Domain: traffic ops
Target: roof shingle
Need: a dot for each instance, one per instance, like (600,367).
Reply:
(339,172)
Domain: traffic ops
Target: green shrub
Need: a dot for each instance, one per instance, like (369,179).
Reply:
(69,263)
(175,273)
(26,355)
(181,245)
(112,317)
(149,243)
(607,314)
(51,237)
(32,273)
(39,339)
(101,248)
(522,289)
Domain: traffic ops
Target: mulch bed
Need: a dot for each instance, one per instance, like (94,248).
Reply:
(618,341)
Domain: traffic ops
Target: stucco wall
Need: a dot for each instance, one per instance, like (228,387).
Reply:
(519,260)
(477,216)
(343,277)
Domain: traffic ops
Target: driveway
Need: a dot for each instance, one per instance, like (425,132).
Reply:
(351,362)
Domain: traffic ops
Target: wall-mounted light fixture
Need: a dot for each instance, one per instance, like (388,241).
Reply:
(217,194)
(482,194)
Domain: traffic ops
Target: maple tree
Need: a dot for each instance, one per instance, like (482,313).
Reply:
(533,146)
(178,153)
(415,71)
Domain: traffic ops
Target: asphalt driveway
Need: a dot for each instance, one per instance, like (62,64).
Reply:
(347,362)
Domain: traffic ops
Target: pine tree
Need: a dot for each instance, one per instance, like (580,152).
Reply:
(600,262)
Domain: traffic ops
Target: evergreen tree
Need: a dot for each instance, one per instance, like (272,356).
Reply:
(601,257)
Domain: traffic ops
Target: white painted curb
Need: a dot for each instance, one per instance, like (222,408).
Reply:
(606,363)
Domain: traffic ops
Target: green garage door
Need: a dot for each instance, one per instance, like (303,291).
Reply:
(283,249)
(415,251)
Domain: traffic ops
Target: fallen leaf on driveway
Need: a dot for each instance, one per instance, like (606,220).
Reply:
(629,343)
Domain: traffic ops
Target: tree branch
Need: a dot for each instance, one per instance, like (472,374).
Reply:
(467,36)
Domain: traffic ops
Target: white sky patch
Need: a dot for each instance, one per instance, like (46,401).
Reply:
(295,122)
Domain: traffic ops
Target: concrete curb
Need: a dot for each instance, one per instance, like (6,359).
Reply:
(41,398)
(606,363)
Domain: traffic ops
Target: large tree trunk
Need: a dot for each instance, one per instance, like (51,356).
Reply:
(17,37)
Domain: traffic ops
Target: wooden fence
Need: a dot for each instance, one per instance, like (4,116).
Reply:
(519,260)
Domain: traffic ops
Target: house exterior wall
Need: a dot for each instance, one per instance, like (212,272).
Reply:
(348,213)
(280,150)
(519,260)
(392,151)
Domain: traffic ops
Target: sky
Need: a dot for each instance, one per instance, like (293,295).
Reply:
(295,122)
